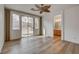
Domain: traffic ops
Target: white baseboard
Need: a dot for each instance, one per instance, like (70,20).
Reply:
(76,42)
(0,50)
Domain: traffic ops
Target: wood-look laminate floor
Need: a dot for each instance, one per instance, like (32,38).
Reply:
(42,45)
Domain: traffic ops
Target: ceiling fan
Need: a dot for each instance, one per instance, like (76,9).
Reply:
(42,8)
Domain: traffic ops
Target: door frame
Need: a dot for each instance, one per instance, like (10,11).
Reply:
(21,24)
(62,24)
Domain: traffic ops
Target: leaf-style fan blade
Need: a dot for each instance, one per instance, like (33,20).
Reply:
(47,11)
(37,6)
(49,6)
(34,9)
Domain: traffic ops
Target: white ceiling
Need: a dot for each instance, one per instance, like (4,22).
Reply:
(27,7)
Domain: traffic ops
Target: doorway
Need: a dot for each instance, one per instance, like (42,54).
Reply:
(30,26)
(57,27)
(27,26)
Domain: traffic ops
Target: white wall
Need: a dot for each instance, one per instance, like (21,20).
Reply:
(1,26)
(71,24)
(48,22)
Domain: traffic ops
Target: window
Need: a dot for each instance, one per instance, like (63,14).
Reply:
(37,24)
(15,22)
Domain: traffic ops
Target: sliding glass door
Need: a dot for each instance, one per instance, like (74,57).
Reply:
(23,25)
(30,26)
(27,26)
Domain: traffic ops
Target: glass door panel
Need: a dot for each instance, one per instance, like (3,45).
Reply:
(15,28)
(37,26)
(27,26)
(30,25)
(15,22)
